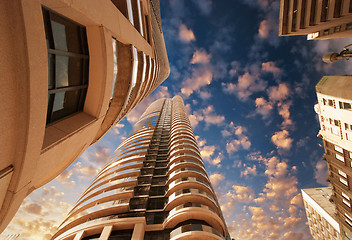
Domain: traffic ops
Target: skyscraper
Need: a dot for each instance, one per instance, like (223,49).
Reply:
(70,71)
(154,187)
(335,115)
(317,19)
(321,213)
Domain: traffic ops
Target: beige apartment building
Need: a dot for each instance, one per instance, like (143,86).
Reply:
(155,186)
(335,115)
(320,213)
(70,70)
(318,19)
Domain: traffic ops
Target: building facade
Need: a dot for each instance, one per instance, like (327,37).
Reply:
(335,115)
(320,213)
(70,71)
(154,187)
(322,19)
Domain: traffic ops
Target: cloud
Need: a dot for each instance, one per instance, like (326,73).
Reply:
(205,95)
(264,29)
(240,142)
(282,140)
(216,178)
(284,111)
(205,6)
(263,107)
(272,68)
(247,85)
(241,194)
(200,56)
(279,93)
(200,78)
(186,34)
(321,173)
(33,208)
(207,115)
(249,171)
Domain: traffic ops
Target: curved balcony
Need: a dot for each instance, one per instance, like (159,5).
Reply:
(187,172)
(197,211)
(181,156)
(95,212)
(182,135)
(182,132)
(180,127)
(184,163)
(103,192)
(195,231)
(125,182)
(189,182)
(183,142)
(120,177)
(191,195)
(184,150)
(87,207)
(119,168)
(117,173)
(133,144)
(182,139)
(122,163)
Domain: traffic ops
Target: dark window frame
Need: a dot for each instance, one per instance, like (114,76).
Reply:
(78,63)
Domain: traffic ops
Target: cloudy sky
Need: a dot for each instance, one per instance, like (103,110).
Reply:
(249,96)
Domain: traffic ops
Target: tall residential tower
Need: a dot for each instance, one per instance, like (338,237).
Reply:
(155,186)
(70,70)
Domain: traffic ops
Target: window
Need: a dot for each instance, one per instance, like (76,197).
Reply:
(349,136)
(345,196)
(344,181)
(339,157)
(337,29)
(68,63)
(348,26)
(342,173)
(326,31)
(344,105)
(348,127)
(339,149)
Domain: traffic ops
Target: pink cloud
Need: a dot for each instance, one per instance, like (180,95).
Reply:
(321,173)
(271,67)
(279,93)
(200,56)
(264,107)
(186,34)
(247,85)
(282,140)
(264,29)
(200,78)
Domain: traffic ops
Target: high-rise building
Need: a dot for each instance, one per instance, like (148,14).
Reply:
(154,187)
(70,70)
(322,19)
(335,115)
(321,213)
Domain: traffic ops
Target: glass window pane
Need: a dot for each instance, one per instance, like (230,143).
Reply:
(65,103)
(50,72)
(59,33)
(61,74)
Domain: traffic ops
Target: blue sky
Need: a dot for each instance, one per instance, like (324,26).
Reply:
(249,95)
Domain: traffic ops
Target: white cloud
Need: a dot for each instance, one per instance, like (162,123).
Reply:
(321,173)
(279,93)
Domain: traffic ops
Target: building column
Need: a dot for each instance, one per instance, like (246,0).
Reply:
(106,233)
(138,232)
(79,235)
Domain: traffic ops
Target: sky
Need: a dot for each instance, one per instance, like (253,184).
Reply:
(249,95)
